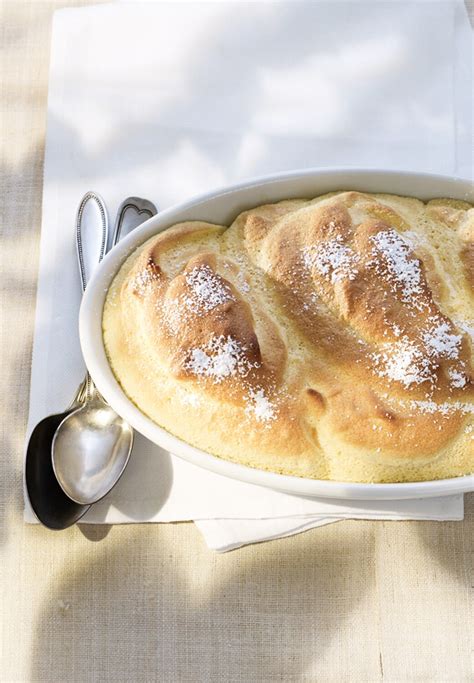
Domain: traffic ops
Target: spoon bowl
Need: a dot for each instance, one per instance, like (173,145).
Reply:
(49,502)
(90,450)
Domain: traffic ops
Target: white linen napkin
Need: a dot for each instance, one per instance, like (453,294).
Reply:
(165,100)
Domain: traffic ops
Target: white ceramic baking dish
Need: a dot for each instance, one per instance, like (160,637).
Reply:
(222,206)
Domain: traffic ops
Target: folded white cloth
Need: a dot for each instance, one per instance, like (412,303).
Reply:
(168,100)
(227,534)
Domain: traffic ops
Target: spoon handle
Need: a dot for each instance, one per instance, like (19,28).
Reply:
(81,393)
(86,389)
(90,196)
(138,210)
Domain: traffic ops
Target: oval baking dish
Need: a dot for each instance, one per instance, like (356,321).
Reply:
(221,207)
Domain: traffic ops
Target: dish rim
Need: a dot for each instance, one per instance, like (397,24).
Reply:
(230,200)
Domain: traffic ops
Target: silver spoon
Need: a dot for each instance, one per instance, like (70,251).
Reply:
(87,447)
(49,502)
(92,445)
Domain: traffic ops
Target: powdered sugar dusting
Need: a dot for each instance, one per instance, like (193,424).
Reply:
(407,361)
(225,357)
(412,362)
(259,406)
(332,259)
(458,379)
(431,407)
(143,280)
(398,266)
(396,330)
(207,289)
(439,342)
(222,357)
(172,313)
(403,361)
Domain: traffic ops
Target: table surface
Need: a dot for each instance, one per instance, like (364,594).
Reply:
(353,601)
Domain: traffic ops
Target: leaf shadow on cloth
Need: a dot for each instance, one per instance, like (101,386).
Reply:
(162,607)
(18,287)
(263,117)
(433,562)
(451,544)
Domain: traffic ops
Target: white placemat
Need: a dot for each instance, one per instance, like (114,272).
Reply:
(165,100)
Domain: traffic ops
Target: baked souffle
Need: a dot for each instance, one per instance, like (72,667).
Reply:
(329,338)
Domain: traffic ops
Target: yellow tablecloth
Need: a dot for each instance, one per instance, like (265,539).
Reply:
(354,601)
